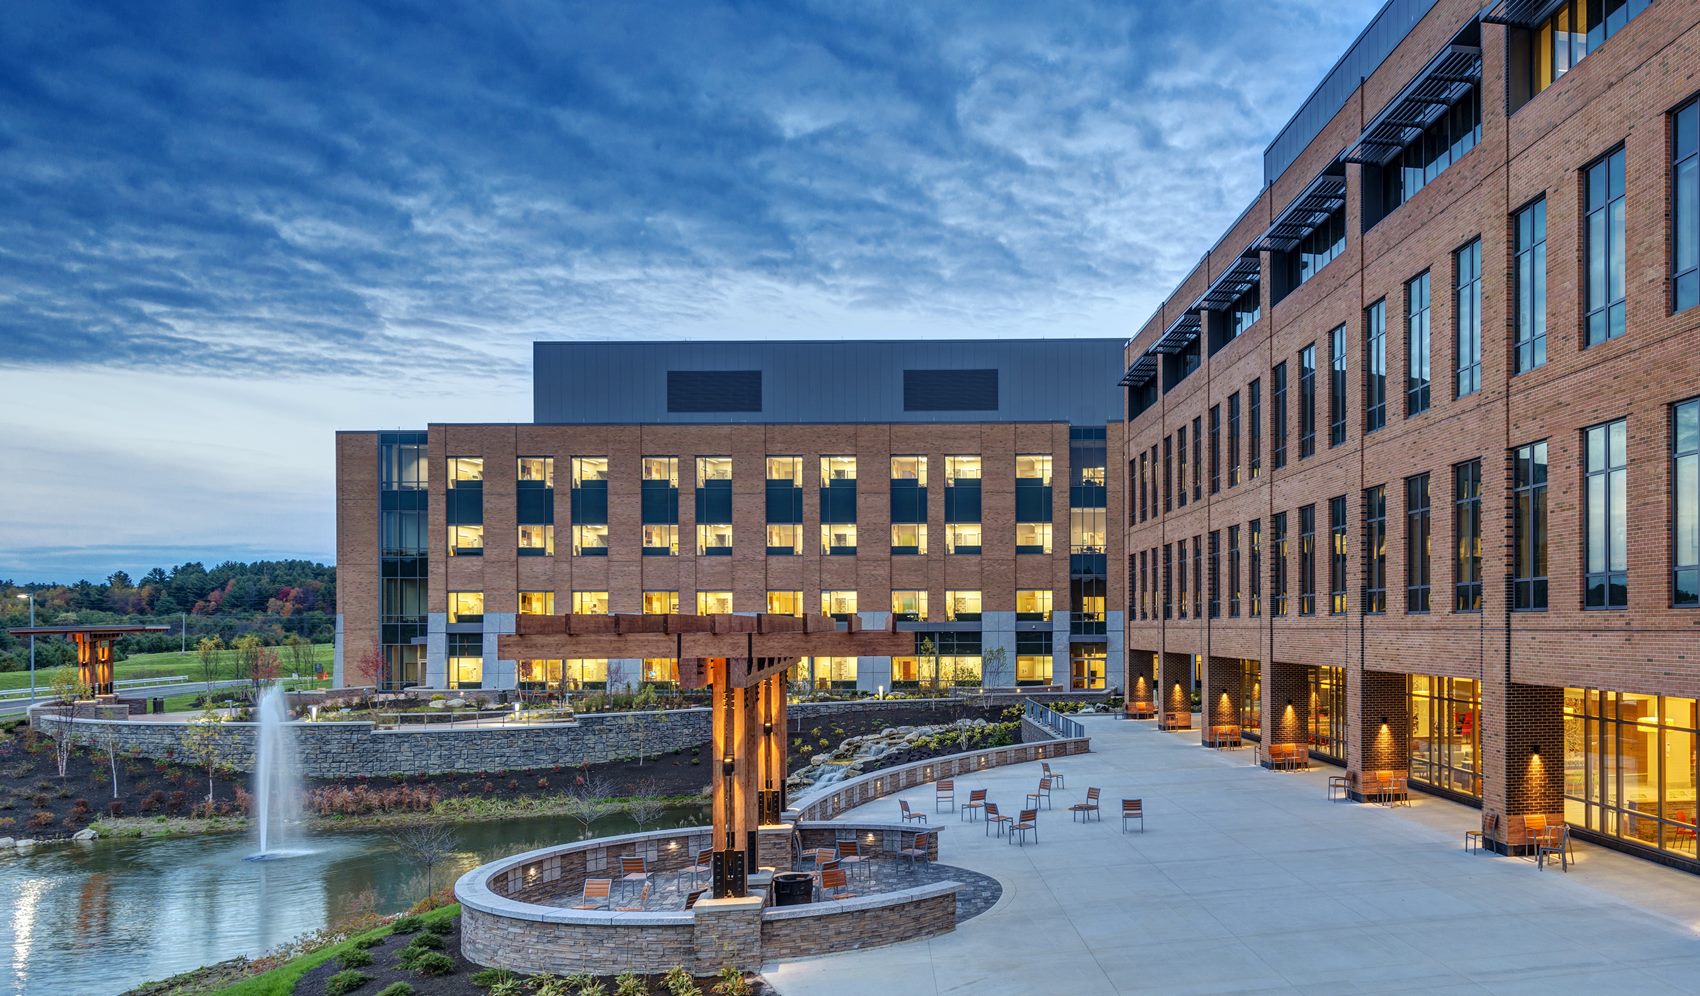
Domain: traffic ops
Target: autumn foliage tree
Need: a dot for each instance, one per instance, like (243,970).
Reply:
(369,668)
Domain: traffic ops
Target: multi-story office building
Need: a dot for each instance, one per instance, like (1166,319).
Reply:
(960,485)
(1385,441)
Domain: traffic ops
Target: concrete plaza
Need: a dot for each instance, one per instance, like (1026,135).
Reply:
(1247,880)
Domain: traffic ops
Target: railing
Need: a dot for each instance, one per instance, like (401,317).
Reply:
(1040,714)
(127,683)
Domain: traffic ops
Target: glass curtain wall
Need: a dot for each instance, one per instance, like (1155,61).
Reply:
(1446,733)
(1629,767)
(1327,715)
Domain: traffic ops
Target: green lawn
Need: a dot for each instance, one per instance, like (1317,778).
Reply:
(167,665)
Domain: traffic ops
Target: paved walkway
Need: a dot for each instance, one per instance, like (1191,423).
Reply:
(1251,881)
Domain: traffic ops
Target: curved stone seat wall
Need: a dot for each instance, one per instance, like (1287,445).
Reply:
(826,803)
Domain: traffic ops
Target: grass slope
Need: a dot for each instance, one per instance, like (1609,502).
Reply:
(281,980)
(164,666)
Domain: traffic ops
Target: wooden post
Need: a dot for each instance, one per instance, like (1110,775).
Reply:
(736,727)
(773,747)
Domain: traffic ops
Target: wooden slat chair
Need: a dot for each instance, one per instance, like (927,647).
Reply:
(976,802)
(850,853)
(1133,809)
(1473,839)
(634,870)
(1042,794)
(1027,821)
(835,884)
(944,794)
(1084,810)
(642,903)
(704,864)
(691,899)
(1555,842)
(910,814)
(595,895)
(1055,777)
(995,818)
(917,851)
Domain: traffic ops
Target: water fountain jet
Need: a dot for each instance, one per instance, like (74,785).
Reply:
(277,776)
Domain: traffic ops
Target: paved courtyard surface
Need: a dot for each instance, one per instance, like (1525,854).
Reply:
(1252,881)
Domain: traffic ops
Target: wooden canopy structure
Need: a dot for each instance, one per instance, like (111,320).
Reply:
(743,660)
(94,649)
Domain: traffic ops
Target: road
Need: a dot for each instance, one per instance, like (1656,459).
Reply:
(17,707)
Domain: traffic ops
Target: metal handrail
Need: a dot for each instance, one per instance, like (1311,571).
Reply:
(1043,715)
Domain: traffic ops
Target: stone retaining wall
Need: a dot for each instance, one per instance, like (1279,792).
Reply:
(865,922)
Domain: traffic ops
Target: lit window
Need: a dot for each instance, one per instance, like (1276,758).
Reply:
(1032,537)
(909,537)
(466,606)
(838,539)
(590,540)
(962,537)
(589,469)
(785,469)
(660,670)
(1033,669)
(466,540)
(1087,530)
(837,468)
(1577,28)
(661,469)
(1089,606)
(537,540)
(910,468)
(711,603)
(828,672)
(909,606)
(466,671)
(545,672)
(1033,466)
(838,604)
(962,606)
(540,470)
(536,603)
(660,540)
(590,603)
(1092,475)
(785,603)
(713,469)
(465,470)
(585,672)
(784,539)
(1033,605)
(660,603)
(961,468)
(714,539)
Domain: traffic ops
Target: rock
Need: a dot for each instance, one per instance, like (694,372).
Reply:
(86,833)
(7,842)
(457,703)
(25,844)
(438,704)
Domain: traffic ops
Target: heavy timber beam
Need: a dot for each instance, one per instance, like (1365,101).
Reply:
(561,646)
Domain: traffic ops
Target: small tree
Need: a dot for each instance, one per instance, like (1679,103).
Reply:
(993,660)
(645,808)
(300,653)
(929,650)
(248,650)
(204,743)
(426,844)
(208,650)
(369,667)
(644,731)
(67,687)
(591,798)
(107,741)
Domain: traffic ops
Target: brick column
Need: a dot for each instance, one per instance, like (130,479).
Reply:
(1174,681)
(1522,759)
(1141,682)
(1286,705)
(1380,730)
(1221,700)
(727,932)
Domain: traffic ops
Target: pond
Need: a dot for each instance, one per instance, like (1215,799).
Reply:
(103,917)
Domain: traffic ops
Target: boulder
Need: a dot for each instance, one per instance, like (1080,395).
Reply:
(86,833)
(7,842)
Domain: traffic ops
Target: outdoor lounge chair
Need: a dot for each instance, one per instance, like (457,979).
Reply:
(993,817)
(910,814)
(976,802)
(1133,809)
(1085,809)
(595,895)
(1055,777)
(944,793)
(1028,820)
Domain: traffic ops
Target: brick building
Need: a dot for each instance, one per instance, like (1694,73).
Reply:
(961,485)
(1412,452)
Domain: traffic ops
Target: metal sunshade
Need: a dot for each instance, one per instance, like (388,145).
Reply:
(1445,81)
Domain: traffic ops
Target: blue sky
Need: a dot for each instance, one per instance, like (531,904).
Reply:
(227,230)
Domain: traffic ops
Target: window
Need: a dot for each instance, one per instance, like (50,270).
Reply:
(1246,310)
(1417,531)
(538,541)
(590,603)
(1607,502)
(1307,560)
(536,603)
(1254,416)
(784,539)
(1197,580)
(1429,154)
(465,660)
(1180,466)
(1033,467)
(1033,605)
(1685,503)
(1086,530)
(466,541)
(590,540)
(1446,733)
(785,470)
(840,605)
(466,606)
(1307,401)
(1685,207)
(962,606)
(837,468)
(714,506)
(1233,572)
(660,671)
(1575,29)
(1375,549)
(464,506)
(588,470)
(713,468)
(784,500)
(1198,459)
(1278,564)
(1168,474)
(661,470)
(660,540)
(1215,577)
(1467,532)
(1254,565)
(1032,537)
(1529,285)
(534,512)
(1604,267)
(1375,366)
(1417,345)
(1337,555)
(908,538)
(1168,580)
(1468,316)
(660,603)
(785,603)
(1629,772)
(1315,250)
(1215,449)
(1233,439)
(1143,589)
(1278,417)
(961,468)
(659,506)
(1033,658)
(1180,578)
(962,537)
(1529,527)
(465,471)
(909,605)
(962,533)
(1144,489)
(1337,386)
(838,539)
(714,539)
(714,603)
(909,469)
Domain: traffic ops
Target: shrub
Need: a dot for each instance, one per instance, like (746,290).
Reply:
(433,963)
(356,957)
(628,984)
(679,982)
(442,927)
(8,822)
(41,818)
(176,803)
(593,988)
(397,989)
(407,925)
(543,784)
(369,941)
(508,987)
(430,942)
(115,807)
(41,799)
(345,981)
(487,977)
(732,983)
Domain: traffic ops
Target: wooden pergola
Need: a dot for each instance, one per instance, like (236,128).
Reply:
(743,661)
(94,649)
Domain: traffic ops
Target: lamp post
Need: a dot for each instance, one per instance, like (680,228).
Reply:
(31,597)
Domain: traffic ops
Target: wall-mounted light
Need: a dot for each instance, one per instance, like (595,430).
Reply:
(1534,750)
(767,728)
(726,766)
(1384,721)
